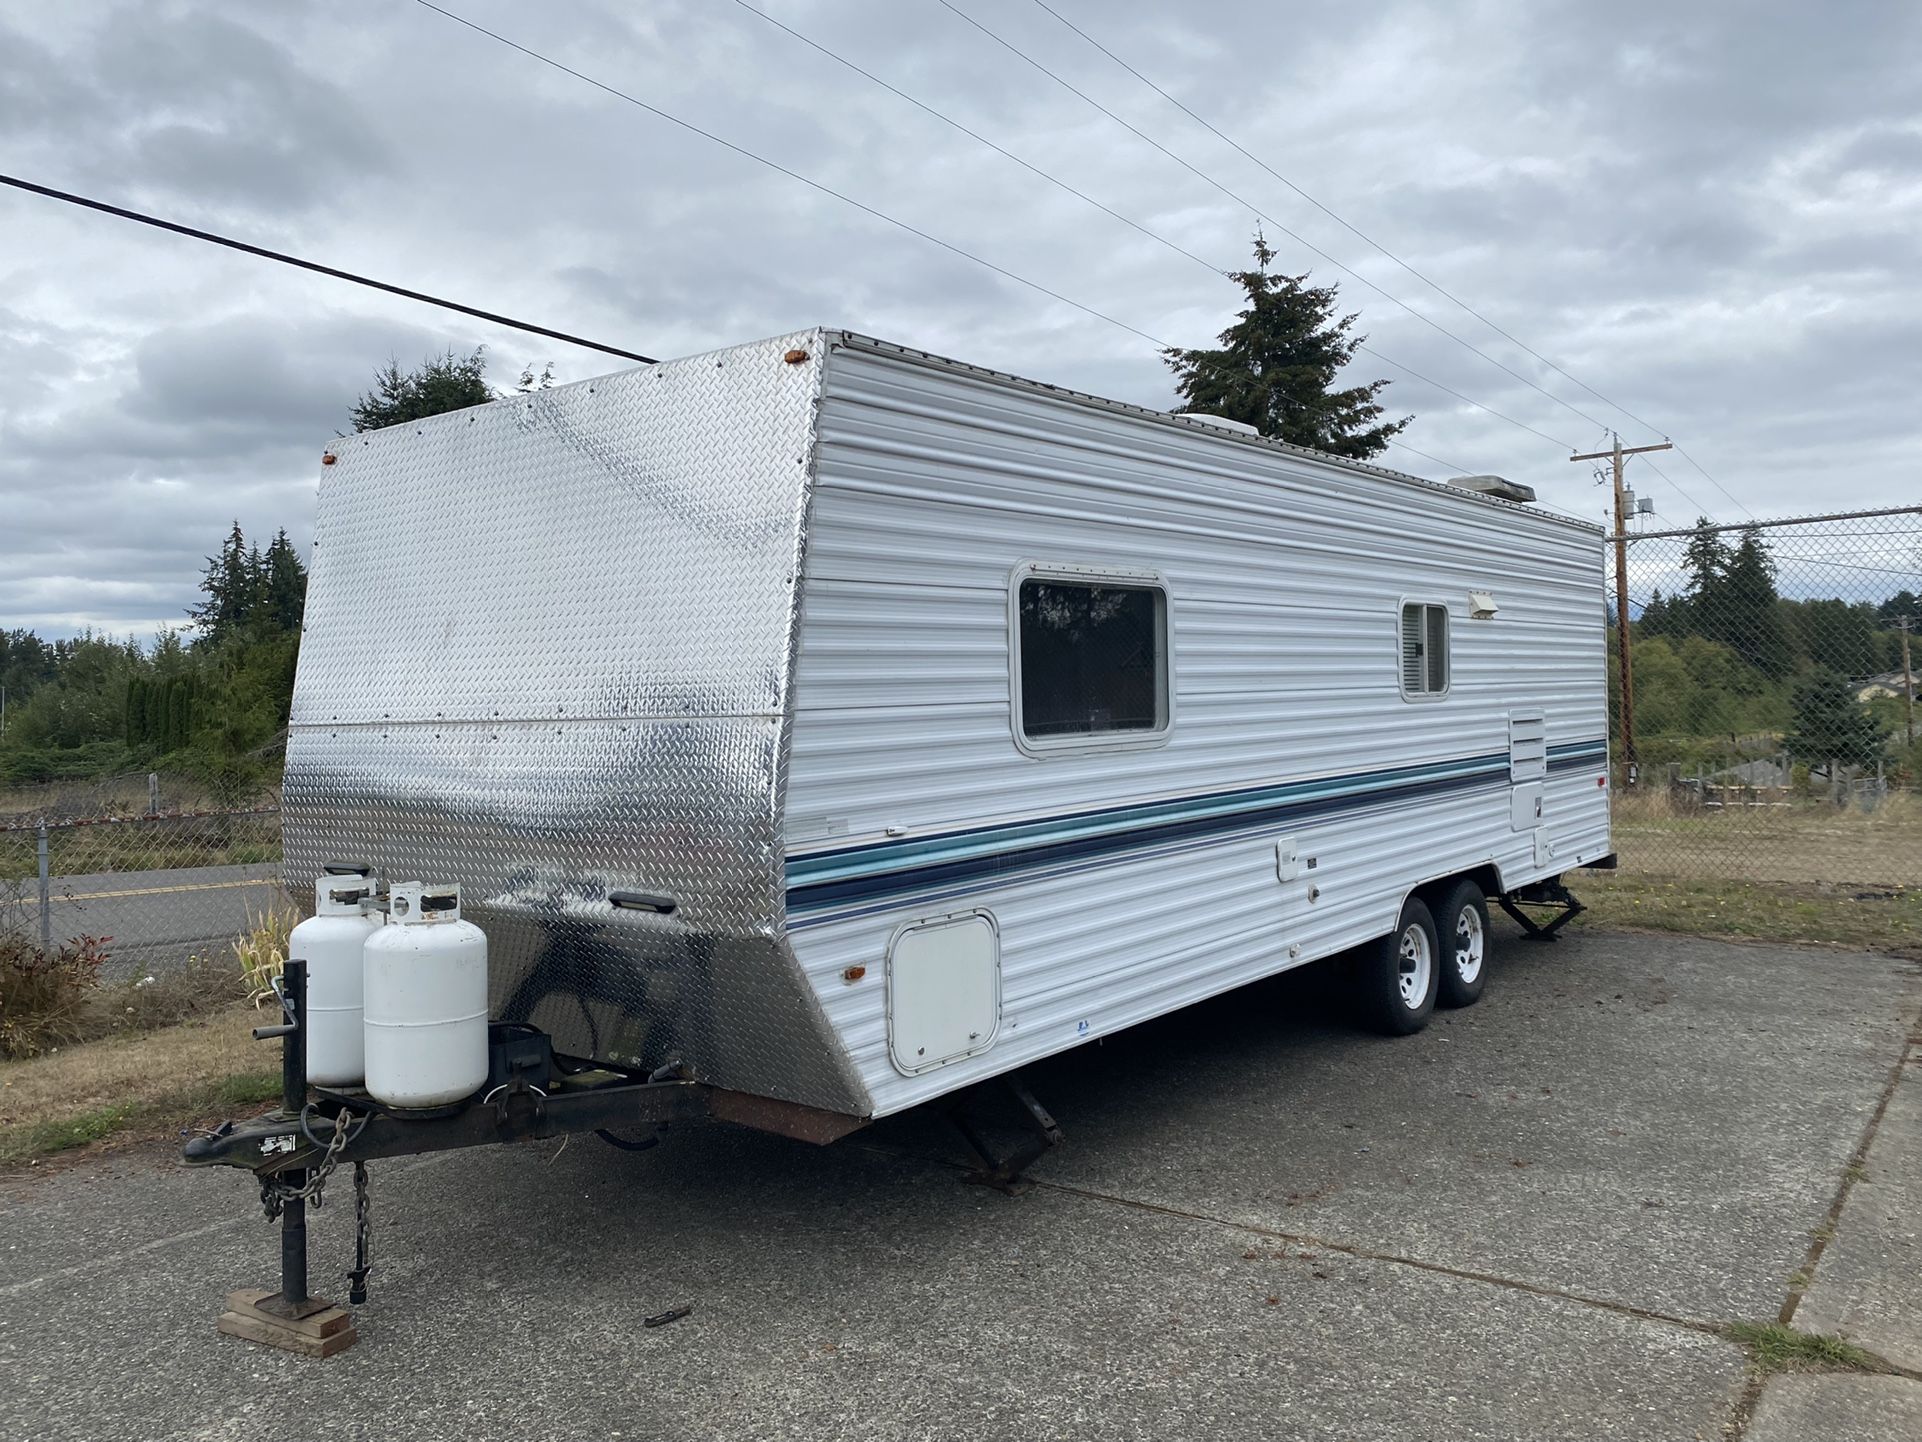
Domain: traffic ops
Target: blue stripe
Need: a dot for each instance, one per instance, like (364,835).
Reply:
(964,859)
(1228,807)
(1577,755)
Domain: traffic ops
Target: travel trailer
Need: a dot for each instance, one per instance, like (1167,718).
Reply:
(818,727)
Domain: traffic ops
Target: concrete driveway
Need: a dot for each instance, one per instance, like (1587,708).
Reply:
(1529,1221)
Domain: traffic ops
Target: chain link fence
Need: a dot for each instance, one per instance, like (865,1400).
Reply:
(1764,724)
(1764,715)
(159,885)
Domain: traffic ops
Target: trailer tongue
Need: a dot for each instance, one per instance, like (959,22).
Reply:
(530,1094)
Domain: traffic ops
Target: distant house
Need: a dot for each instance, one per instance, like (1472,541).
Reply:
(1889,683)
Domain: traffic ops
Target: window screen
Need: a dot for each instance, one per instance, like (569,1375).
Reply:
(1424,649)
(1093,658)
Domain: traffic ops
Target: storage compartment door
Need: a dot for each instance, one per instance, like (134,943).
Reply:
(1527,768)
(944,990)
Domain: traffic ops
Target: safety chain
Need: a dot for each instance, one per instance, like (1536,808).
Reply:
(363,1238)
(275,1194)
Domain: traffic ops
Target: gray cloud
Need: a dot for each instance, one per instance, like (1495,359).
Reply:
(1711,212)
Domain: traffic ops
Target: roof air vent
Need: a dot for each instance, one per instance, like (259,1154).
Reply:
(1220,423)
(1498,486)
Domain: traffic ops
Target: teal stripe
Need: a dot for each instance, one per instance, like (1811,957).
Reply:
(875,859)
(1579,748)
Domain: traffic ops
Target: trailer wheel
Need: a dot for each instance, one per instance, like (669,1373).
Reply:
(1462,921)
(1399,973)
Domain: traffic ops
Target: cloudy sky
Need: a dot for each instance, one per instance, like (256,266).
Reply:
(1711,213)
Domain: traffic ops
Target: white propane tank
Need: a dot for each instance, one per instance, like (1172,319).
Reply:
(330,942)
(426,1000)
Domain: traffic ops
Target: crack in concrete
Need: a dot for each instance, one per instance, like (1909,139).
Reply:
(1327,1244)
(1804,1277)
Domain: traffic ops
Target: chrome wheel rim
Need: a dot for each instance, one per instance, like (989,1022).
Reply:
(1414,966)
(1471,944)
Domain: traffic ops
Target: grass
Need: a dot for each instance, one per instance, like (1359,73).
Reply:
(1804,842)
(143,844)
(1887,919)
(1774,1348)
(133,1087)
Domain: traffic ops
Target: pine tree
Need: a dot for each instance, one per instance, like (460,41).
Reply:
(1655,619)
(1705,559)
(284,585)
(1277,366)
(443,383)
(229,586)
(1750,619)
(1831,725)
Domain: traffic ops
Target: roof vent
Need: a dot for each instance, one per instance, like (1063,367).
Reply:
(1498,486)
(1220,423)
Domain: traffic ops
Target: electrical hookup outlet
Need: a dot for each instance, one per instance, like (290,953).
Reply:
(318,1328)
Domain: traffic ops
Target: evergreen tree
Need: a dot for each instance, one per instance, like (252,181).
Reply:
(1903,603)
(26,662)
(1705,559)
(1277,366)
(1656,618)
(1749,619)
(1831,725)
(284,585)
(444,382)
(230,586)
(248,589)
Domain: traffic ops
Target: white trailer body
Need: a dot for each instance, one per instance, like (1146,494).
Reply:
(850,725)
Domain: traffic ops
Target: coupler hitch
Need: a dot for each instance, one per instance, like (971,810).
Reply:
(295,1149)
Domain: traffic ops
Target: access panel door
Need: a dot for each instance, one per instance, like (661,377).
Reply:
(944,990)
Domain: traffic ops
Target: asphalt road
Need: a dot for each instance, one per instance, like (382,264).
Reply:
(159,918)
(1528,1221)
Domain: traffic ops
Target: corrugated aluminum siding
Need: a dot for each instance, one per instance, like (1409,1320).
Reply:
(1286,579)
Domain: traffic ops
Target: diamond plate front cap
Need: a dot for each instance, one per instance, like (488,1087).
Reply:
(547,653)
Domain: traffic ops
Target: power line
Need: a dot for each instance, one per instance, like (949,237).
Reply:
(915,230)
(529,327)
(1151,234)
(1700,509)
(1711,480)
(347,275)
(808,181)
(1398,260)
(508,321)
(1437,460)
(1341,221)
(1478,405)
(1242,200)
(977,136)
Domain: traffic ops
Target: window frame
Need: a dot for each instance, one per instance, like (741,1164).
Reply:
(1088,574)
(1448,647)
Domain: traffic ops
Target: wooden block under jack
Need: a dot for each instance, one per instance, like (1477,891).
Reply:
(321,1329)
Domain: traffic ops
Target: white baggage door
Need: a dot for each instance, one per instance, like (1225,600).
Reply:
(944,991)
(1527,768)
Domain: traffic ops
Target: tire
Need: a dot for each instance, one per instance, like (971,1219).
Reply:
(1398,973)
(1461,921)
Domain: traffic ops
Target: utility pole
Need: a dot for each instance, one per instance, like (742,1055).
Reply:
(1618,454)
(1905,624)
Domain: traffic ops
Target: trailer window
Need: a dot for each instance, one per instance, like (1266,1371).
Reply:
(1424,649)
(1092,660)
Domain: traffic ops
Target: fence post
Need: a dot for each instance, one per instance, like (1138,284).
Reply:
(153,793)
(46,894)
